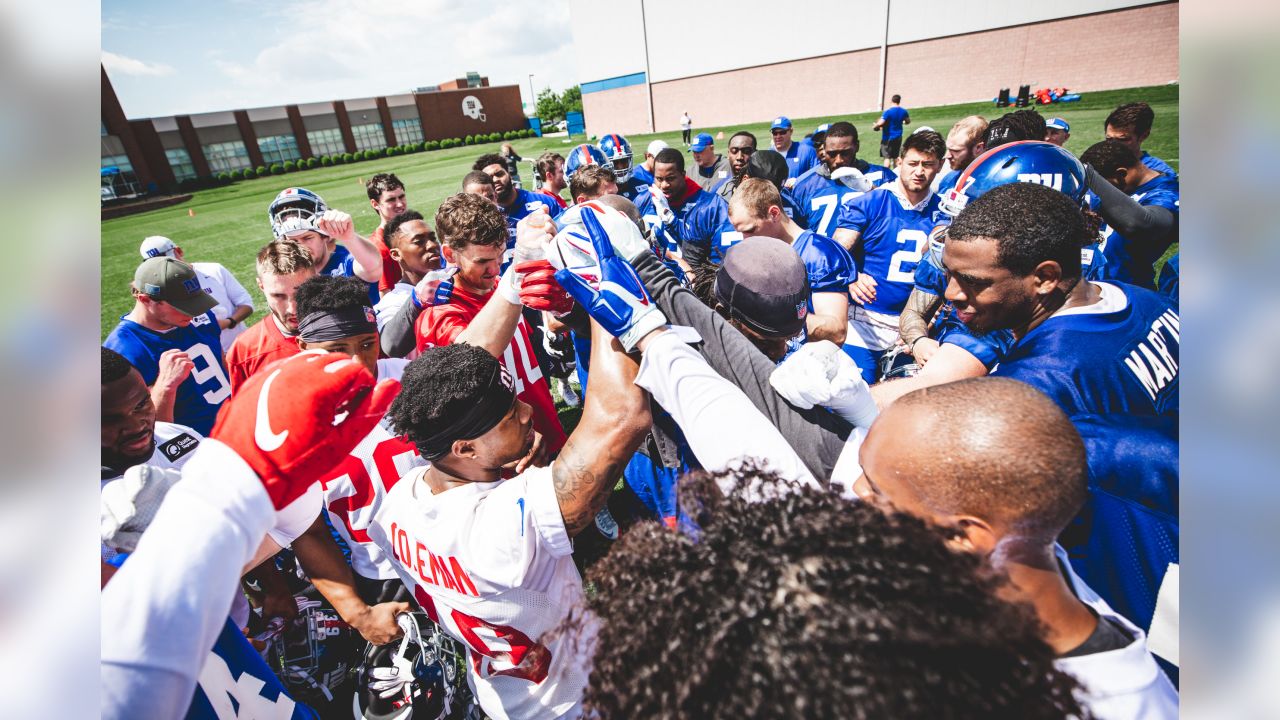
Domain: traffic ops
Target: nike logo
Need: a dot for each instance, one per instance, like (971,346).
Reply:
(520,502)
(262,435)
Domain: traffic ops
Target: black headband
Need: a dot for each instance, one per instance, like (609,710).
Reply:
(492,404)
(340,324)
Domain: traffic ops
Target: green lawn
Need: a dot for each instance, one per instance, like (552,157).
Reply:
(230,223)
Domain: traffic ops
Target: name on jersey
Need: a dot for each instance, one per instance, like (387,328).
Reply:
(179,446)
(1151,361)
(431,569)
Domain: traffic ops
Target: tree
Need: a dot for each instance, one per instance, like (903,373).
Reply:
(549,106)
(571,100)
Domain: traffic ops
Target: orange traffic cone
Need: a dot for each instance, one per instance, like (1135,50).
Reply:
(191,212)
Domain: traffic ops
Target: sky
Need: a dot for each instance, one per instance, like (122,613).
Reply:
(167,58)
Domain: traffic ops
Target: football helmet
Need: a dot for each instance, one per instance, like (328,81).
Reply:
(897,363)
(584,154)
(617,151)
(423,677)
(1030,161)
(295,210)
(312,655)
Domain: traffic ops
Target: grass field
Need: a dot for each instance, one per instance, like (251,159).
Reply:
(230,223)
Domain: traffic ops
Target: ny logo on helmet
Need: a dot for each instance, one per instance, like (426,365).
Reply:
(472,108)
(1053,180)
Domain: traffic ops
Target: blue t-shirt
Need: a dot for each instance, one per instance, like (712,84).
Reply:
(800,157)
(702,219)
(1121,361)
(893,240)
(1157,164)
(893,118)
(205,389)
(820,198)
(1132,262)
(830,267)
(342,264)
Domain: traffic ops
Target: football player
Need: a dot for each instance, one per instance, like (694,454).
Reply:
(515,202)
(1106,352)
(282,266)
(302,216)
(550,172)
(887,232)
(1140,227)
(693,223)
(842,176)
(386,195)
(415,247)
(1131,124)
(617,151)
(130,433)
(172,337)
(964,143)
(742,145)
(756,209)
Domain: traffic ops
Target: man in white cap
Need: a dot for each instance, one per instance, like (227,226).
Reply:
(1057,131)
(235,305)
(644,171)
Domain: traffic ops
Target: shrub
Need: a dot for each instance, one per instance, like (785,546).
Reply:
(325,161)
(289,166)
(261,170)
(430,145)
(446,143)
(224,178)
(347,157)
(312,162)
(277,169)
(470,139)
(233,175)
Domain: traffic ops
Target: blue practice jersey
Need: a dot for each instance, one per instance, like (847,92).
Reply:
(1125,539)
(1157,164)
(948,182)
(634,186)
(701,219)
(1133,262)
(641,175)
(820,198)
(224,691)
(831,268)
(525,204)
(800,157)
(1169,279)
(342,264)
(205,389)
(893,239)
(1117,357)
(893,118)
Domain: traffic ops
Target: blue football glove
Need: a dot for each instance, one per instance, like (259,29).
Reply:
(435,288)
(600,281)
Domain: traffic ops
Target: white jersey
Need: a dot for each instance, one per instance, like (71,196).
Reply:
(223,286)
(492,564)
(1123,683)
(174,445)
(351,493)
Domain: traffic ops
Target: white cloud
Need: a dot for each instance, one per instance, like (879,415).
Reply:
(123,65)
(352,49)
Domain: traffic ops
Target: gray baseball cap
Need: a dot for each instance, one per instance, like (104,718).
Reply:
(764,285)
(173,281)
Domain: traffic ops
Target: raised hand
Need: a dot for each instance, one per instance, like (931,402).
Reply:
(435,288)
(295,419)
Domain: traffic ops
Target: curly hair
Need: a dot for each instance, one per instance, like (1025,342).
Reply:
(1030,223)
(114,366)
(1013,127)
(438,387)
(465,219)
(1136,116)
(325,293)
(1110,157)
(806,604)
(393,226)
(1031,122)
(381,183)
(488,159)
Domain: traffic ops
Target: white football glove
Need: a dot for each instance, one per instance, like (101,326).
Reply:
(390,681)
(129,504)
(851,178)
(819,373)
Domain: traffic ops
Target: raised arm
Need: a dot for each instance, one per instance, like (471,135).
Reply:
(368,259)
(1129,218)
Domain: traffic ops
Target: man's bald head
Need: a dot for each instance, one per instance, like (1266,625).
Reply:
(990,448)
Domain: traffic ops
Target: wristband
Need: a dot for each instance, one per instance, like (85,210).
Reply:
(413,297)
(232,322)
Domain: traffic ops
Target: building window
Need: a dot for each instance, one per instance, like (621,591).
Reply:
(369,137)
(326,142)
(226,156)
(117,176)
(278,149)
(180,162)
(407,131)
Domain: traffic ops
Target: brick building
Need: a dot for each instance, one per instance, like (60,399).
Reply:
(155,154)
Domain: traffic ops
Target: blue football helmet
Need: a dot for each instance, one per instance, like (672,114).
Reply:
(1030,161)
(618,151)
(295,210)
(584,154)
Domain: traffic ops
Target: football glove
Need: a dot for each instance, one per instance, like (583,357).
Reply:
(296,419)
(435,288)
(600,281)
(819,373)
(539,289)
(129,504)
